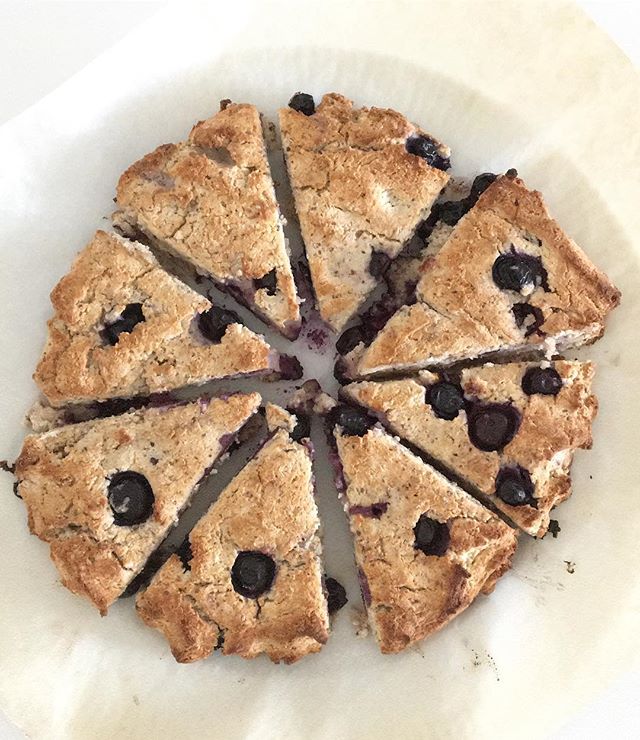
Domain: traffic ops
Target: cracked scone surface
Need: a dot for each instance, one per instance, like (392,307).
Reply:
(211,201)
(357,191)
(267,508)
(163,352)
(409,594)
(461,312)
(64,475)
(551,428)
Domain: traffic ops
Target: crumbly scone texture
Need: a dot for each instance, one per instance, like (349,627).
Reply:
(409,594)
(164,352)
(357,191)
(211,201)
(461,313)
(551,429)
(63,478)
(268,507)
(279,418)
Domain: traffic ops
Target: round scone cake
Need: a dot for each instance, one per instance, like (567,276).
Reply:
(451,430)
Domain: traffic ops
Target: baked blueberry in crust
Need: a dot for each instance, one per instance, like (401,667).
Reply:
(446,399)
(214,322)
(336,595)
(354,422)
(528,317)
(268,282)
(432,537)
(252,573)
(515,487)
(130,497)
(492,425)
(428,149)
(374,511)
(131,316)
(516,271)
(303,103)
(543,380)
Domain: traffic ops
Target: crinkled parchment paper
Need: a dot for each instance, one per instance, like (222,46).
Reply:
(530,85)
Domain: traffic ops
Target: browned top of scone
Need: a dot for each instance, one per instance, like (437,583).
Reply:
(463,312)
(64,477)
(411,594)
(211,201)
(163,352)
(550,428)
(268,508)
(357,191)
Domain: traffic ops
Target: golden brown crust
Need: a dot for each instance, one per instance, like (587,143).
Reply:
(551,429)
(267,507)
(356,190)
(211,201)
(461,312)
(162,353)
(413,594)
(63,478)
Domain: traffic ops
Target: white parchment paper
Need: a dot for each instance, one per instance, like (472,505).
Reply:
(529,84)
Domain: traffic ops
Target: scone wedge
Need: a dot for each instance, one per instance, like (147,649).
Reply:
(104,493)
(509,431)
(210,201)
(250,577)
(424,548)
(362,180)
(123,327)
(508,280)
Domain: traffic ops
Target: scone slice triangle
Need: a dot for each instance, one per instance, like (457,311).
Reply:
(507,280)
(104,493)
(211,202)
(251,579)
(424,548)
(508,431)
(362,180)
(123,327)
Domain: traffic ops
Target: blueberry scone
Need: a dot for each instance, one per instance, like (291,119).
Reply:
(249,580)
(104,493)
(507,280)
(211,202)
(123,327)
(424,548)
(362,180)
(510,431)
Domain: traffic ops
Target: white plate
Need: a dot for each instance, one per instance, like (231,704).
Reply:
(529,85)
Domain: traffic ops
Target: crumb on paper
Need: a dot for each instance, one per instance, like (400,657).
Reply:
(7,466)
(360,621)
(485,659)
(136,700)
(571,566)
(554,528)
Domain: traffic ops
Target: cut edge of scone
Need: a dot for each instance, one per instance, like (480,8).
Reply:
(443,327)
(264,525)
(361,184)
(533,465)
(143,468)
(466,547)
(162,199)
(123,327)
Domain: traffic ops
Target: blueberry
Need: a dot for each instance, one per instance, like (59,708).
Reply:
(492,426)
(302,428)
(446,399)
(214,322)
(379,263)
(453,210)
(349,340)
(515,271)
(130,317)
(130,497)
(252,573)
(432,537)
(480,184)
(515,487)
(428,149)
(303,103)
(290,368)
(185,553)
(545,381)
(528,316)
(354,422)
(373,511)
(336,595)
(268,282)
